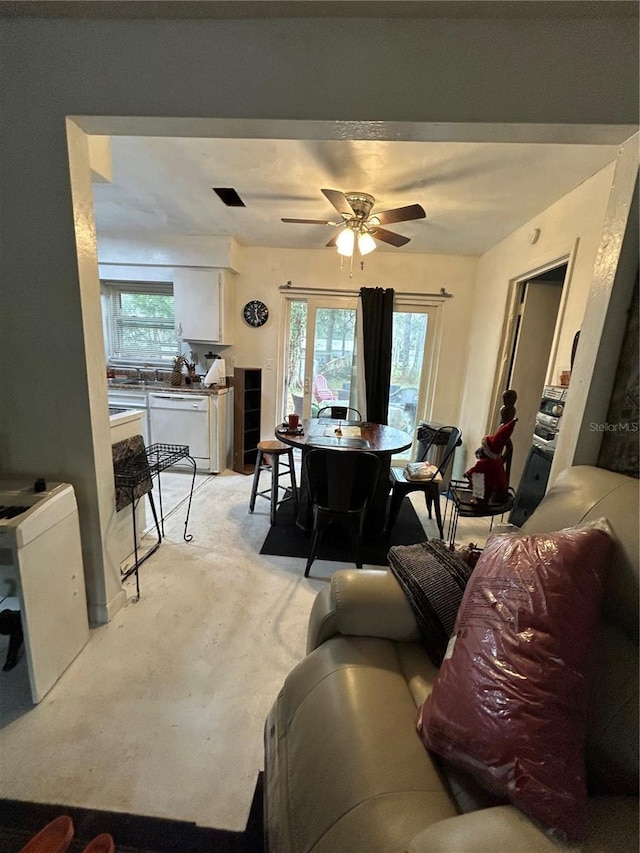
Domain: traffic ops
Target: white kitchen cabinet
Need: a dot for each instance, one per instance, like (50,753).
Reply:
(201,298)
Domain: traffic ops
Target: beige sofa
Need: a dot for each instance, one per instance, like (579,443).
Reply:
(345,770)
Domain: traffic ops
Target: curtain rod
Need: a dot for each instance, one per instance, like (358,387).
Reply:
(334,291)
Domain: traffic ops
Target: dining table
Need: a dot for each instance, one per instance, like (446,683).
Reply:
(342,436)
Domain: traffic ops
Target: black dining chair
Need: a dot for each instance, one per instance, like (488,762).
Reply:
(340,413)
(446,437)
(341,485)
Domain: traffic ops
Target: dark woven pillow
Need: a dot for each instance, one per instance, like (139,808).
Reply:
(434,579)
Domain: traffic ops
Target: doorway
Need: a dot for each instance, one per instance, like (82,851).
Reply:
(534,319)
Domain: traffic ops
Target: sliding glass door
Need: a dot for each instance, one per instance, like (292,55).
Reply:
(320,355)
(410,392)
(321,358)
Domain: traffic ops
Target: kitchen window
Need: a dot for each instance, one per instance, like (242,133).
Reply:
(139,323)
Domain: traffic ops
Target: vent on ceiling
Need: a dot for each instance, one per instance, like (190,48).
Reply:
(228,196)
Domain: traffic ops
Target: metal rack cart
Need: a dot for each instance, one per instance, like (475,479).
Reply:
(135,467)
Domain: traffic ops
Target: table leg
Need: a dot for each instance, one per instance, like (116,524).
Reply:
(376,520)
(304,518)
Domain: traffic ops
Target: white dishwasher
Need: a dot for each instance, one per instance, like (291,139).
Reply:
(182,419)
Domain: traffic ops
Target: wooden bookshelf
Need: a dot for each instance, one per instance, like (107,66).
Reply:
(247,405)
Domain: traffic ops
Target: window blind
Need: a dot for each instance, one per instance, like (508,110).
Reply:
(140,322)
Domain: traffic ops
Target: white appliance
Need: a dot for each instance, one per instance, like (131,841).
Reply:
(42,576)
(199,421)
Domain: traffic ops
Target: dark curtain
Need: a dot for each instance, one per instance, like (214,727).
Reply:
(377,324)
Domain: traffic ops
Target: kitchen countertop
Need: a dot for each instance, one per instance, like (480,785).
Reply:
(165,386)
(124,416)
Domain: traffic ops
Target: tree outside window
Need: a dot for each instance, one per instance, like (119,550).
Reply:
(139,323)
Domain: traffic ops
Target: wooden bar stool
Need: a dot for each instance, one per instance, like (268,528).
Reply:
(269,458)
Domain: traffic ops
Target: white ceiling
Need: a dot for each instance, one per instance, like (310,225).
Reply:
(475,194)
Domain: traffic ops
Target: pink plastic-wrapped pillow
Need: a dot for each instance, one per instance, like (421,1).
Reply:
(509,703)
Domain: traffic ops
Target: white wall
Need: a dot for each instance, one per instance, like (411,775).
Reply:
(571,226)
(172,250)
(513,73)
(615,273)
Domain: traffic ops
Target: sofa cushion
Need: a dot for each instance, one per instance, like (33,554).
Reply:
(613,826)
(509,703)
(344,757)
(612,717)
(434,579)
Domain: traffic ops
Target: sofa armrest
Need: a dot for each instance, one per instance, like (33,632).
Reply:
(501,829)
(612,826)
(362,603)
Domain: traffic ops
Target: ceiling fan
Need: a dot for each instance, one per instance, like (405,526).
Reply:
(361,227)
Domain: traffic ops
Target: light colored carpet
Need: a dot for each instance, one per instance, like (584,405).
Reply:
(162,713)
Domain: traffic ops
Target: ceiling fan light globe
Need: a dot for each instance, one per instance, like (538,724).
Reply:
(366,243)
(345,242)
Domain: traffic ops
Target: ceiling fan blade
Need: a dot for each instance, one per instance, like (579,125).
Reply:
(312,221)
(389,237)
(398,214)
(333,241)
(339,201)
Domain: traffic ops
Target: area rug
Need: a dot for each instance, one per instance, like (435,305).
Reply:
(20,821)
(286,539)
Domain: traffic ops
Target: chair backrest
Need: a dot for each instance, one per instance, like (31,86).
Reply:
(321,390)
(341,481)
(342,413)
(449,436)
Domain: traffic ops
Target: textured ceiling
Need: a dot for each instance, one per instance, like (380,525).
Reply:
(475,194)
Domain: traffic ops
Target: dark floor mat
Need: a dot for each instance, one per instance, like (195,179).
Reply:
(20,821)
(286,539)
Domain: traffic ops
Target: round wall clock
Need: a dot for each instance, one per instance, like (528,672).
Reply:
(255,313)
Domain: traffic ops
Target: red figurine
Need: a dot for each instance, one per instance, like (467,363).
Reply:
(487,477)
